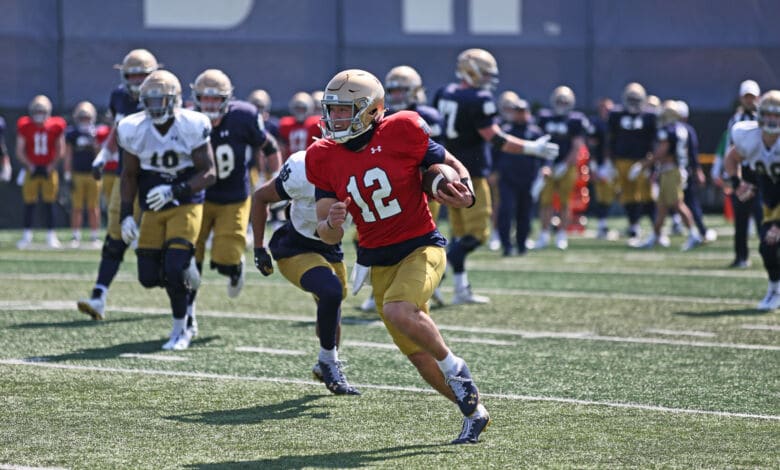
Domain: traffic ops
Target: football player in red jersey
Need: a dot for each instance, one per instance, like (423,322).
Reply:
(298,130)
(369,166)
(40,143)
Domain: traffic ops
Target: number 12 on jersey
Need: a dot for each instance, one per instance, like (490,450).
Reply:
(381,209)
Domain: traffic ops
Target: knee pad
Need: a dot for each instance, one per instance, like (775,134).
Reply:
(177,261)
(150,264)
(114,249)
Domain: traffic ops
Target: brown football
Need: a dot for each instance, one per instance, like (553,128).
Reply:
(436,178)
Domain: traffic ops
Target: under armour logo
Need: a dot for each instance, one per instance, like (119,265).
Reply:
(376,149)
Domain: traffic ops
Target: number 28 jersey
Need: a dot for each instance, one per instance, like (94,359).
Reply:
(164,159)
(383,179)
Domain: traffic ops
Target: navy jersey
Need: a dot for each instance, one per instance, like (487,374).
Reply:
(676,134)
(234,140)
(693,147)
(433,117)
(122,104)
(84,145)
(563,129)
(465,111)
(597,138)
(518,169)
(2,135)
(631,136)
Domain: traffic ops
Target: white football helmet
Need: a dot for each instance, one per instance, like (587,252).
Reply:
(261,99)
(301,106)
(364,93)
(670,112)
(140,63)
(160,95)
(634,97)
(40,109)
(769,112)
(212,83)
(562,100)
(84,115)
(316,96)
(403,87)
(509,102)
(478,68)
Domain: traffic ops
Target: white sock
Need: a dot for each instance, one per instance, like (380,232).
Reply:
(179,325)
(94,235)
(103,288)
(774,286)
(51,233)
(635,228)
(461,280)
(77,235)
(450,364)
(329,355)
(27,234)
(602,224)
(694,233)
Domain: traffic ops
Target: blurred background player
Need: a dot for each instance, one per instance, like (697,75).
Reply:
(40,144)
(236,130)
(316,97)
(168,162)
(306,261)
(568,129)
(5,159)
(755,145)
(515,174)
(124,100)
(82,142)
(630,139)
(469,112)
(603,172)
(298,130)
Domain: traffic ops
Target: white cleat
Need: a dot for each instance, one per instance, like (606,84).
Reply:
(95,307)
(369,305)
(561,242)
(710,235)
(75,243)
(466,296)
(495,243)
(236,282)
(52,241)
(771,301)
(664,241)
(23,244)
(179,341)
(543,241)
(691,243)
(437,300)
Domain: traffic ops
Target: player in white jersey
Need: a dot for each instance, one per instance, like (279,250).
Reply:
(756,144)
(305,260)
(168,162)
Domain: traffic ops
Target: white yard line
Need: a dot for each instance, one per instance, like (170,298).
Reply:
(280,352)
(366,344)
(762,327)
(700,334)
(153,357)
(8,466)
(199,375)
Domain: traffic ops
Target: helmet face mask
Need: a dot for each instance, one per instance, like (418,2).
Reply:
(212,92)
(353,101)
(160,95)
(634,98)
(670,112)
(478,68)
(135,67)
(769,112)
(85,116)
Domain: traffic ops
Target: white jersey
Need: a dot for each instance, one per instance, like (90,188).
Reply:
(303,208)
(165,154)
(746,136)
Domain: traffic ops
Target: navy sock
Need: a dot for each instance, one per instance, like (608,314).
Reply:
(321,282)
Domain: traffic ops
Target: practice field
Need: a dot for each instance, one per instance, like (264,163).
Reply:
(602,356)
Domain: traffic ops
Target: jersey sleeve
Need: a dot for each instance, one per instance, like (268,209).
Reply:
(415,134)
(485,110)
(316,169)
(125,132)
(740,134)
(257,132)
(293,176)
(198,130)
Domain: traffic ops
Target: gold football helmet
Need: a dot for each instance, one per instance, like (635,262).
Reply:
(261,99)
(135,67)
(160,95)
(670,112)
(478,68)
(562,100)
(508,103)
(84,115)
(769,112)
(301,106)
(360,90)
(634,97)
(212,83)
(40,109)
(317,97)
(404,88)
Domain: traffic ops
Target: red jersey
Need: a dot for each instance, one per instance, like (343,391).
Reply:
(298,135)
(383,180)
(40,140)
(101,134)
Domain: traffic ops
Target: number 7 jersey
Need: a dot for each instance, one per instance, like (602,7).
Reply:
(383,180)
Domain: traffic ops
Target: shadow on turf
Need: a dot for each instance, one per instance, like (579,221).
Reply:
(722,313)
(288,409)
(112,352)
(70,324)
(356,459)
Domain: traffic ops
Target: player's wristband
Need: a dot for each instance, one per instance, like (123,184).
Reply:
(467,182)
(125,209)
(735,181)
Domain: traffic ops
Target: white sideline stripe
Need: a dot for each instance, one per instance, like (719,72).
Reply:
(492,342)
(8,466)
(581,335)
(616,296)
(701,334)
(505,396)
(282,352)
(366,344)
(153,357)
(762,327)
(547,269)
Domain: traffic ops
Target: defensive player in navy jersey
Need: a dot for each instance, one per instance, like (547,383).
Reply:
(602,171)
(369,166)
(5,159)
(515,174)
(757,144)
(469,113)
(168,163)
(306,261)
(568,129)
(630,138)
(135,67)
(237,129)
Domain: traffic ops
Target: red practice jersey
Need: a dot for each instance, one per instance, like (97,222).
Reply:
(40,140)
(383,180)
(298,135)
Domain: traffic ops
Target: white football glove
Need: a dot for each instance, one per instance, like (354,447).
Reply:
(542,147)
(20,177)
(159,196)
(634,171)
(560,169)
(717,169)
(101,158)
(129,229)
(359,275)
(537,186)
(5,174)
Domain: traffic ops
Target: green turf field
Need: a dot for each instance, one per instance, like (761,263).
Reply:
(598,357)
